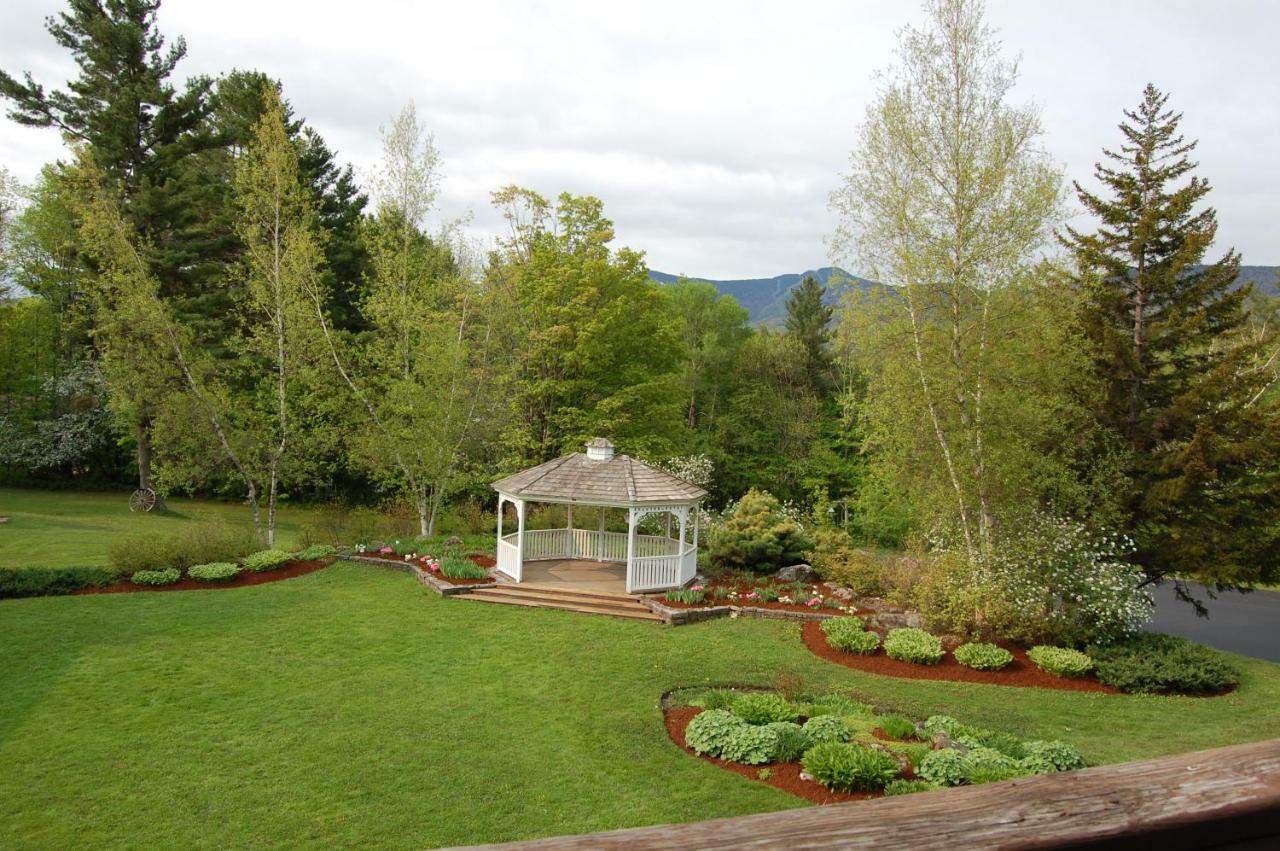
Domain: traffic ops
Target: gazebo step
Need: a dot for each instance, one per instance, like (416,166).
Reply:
(569,591)
(622,607)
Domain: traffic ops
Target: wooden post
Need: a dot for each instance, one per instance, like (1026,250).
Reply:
(571,551)
(631,548)
(519,540)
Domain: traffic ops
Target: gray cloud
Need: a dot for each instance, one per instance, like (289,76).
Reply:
(713,131)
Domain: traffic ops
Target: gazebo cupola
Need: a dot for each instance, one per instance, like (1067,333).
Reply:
(600,479)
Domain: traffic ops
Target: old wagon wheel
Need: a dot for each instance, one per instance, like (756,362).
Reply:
(143,499)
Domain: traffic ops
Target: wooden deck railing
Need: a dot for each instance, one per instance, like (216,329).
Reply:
(1228,798)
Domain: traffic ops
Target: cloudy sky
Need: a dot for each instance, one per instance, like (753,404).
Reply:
(712,131)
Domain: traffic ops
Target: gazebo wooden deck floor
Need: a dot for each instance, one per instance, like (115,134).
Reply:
(580,574)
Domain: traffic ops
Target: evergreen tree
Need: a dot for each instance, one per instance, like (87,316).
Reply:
(809,320)
(139,131)
(1165,332)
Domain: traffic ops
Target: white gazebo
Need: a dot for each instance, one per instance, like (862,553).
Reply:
(597,479)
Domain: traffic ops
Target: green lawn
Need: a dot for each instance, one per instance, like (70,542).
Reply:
(64,529)
(351,707)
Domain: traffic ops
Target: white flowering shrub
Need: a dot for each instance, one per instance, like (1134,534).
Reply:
(1052,580)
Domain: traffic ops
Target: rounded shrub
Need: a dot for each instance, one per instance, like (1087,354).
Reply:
(710,729)
(761,707)
(849,768)
(936,724)
(790,741)
(1060,755)
(945,767)
(827,728)
(982,657)
(757,536)
(1152,663)
(750,745)
(314,552)
(218,571)
(914,645)
(848,634)
(164,576)
(1060,661)
(264,560)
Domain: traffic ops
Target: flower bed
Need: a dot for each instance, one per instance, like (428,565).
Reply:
(430,564)
(829,749)
(765,593)
(244,578)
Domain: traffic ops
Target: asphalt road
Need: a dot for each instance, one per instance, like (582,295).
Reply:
(1242,623)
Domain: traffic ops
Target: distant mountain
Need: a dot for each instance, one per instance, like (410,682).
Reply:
(766,298)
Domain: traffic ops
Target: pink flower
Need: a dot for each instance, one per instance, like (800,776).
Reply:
(814,601)
(696,588)
(751,595)
(386,551)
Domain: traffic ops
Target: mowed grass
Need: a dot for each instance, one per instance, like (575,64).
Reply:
(351,707)
(65,529)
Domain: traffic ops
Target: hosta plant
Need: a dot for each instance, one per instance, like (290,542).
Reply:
(1060,661)
(982,657)
(913,645)
(218,571)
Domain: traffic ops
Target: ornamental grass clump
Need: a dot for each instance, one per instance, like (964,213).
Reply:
(1060,661)
(218,571)
(848,634)
(982,657)
(686,596)
(914,645)
(898,728)
(265,560)
(759,707)
(315,551)
(850,768)
(164,576)
(454,566)
(790,741)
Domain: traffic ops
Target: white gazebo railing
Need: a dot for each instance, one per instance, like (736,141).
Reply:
(589,544)
(665,571)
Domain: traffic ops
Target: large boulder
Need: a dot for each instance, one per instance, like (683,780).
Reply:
(796,573)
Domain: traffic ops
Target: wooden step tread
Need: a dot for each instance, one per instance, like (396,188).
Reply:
(638,613)
(567,590)
(552,597)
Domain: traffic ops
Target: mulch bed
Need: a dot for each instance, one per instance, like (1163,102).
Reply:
(782,775)
(1021,672)
(743,587)
(241,580)
(478,559)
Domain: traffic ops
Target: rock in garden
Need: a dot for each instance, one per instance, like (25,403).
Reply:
(797,573)
(453,541)
(804,775)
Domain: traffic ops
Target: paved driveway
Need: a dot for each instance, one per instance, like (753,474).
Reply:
(1242,623)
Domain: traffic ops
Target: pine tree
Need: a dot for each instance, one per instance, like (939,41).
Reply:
(139,131)
(808,320)
(1165,333)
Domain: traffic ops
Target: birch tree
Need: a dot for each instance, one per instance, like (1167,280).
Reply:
(949,198)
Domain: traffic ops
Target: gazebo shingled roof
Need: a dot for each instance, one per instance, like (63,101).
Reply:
(619,480)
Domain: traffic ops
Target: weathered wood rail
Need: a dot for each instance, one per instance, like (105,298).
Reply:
(1227,798)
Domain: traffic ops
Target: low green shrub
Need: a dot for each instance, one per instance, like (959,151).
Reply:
(1060,755)
(1152,663)
(720,592)
(687,596)
(898,728)
(315,551)
(988,765)
(907,787)
(750,745)
(762,707)
(218,571)
(849,768)
(982,657)
(913,645)
(455,566)
(974,737)
(196,543)
(42,581)
(790,741)
(849,635)
(768,594)
(164,576)
(710,729)
(837,704)
(717,698)
(838,560)
(945,767)
(757,535)
(935,724)
(265,560)
(913,751)
(1060,661)
(827,728)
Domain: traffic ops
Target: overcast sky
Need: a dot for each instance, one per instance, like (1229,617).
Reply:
(712,131)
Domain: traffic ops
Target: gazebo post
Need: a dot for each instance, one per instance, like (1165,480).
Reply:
(631,547)
(570,551)
(519,540)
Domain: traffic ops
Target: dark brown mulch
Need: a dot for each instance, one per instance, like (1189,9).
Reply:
(241,580)
(1021,672)
(782,775)
(482,560)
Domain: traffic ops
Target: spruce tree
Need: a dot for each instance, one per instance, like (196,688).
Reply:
(808,320)
(1164,333)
